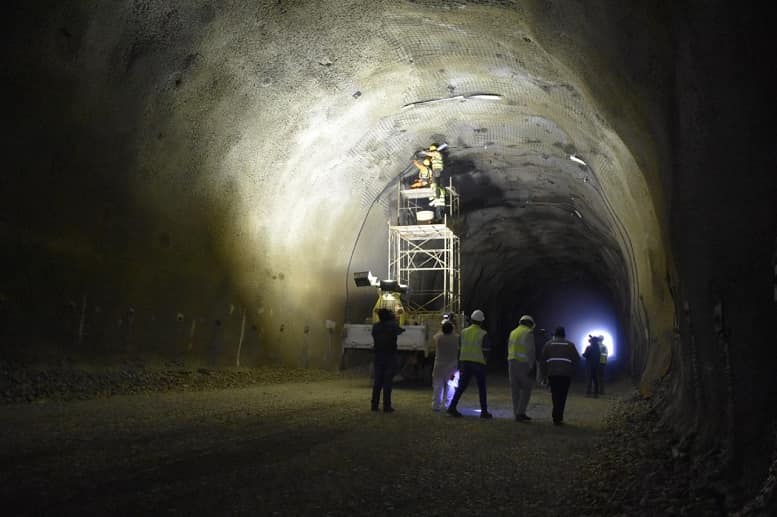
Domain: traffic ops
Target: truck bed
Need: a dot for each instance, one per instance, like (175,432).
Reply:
(359,336)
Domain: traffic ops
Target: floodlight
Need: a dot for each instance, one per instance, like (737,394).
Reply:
(365,279)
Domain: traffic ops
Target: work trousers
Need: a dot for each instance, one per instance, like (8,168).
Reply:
(385,365)
(559,389)
(521,384)
(593,380)
(466,371)
(440,377)
(601,378)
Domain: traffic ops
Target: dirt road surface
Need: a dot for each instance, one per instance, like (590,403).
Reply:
(309,448)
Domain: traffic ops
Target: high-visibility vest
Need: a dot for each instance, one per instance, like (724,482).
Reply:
(603,355)
(436,159)
(472,345)
(516,346)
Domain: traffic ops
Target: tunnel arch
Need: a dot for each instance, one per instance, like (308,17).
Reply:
(186,179)
(518,144)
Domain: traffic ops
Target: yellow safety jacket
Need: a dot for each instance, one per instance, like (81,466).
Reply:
(603,356)
(424,172)
(472,345)
(518,346)
(436,159)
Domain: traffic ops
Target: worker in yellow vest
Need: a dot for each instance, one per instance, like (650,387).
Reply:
(520,363)
(424,173)
(472,361)
(602,364)
(435,157)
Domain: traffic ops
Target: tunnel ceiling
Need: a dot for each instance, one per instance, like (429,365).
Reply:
(256,139)
(191,176)
(513,116)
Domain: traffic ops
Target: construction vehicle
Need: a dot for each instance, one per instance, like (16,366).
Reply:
(423,283)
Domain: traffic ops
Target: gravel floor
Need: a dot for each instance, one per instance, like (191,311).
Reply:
(314,448)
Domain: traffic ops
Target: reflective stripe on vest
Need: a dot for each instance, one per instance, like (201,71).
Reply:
(603,356)
(436,159)
(472,344)
(516,346)
(559,359)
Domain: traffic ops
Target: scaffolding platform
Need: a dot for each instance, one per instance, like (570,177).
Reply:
(426,258)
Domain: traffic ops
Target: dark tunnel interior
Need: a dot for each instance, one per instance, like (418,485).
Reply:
(198,183)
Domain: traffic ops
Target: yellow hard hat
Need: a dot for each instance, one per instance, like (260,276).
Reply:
(427,162)
(432,147)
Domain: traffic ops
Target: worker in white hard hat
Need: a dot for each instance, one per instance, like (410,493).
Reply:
(424,173)
(520,361)
(472,361)
(435,156)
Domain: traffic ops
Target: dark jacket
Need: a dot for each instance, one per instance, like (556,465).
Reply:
(592,355)
(559,358)
(384,334)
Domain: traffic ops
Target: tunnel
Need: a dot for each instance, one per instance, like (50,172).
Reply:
(197,182)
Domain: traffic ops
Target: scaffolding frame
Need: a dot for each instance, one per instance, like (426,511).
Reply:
(417,251)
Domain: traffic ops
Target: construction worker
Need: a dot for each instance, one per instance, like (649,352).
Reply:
(559,362)
(593,357)
(437,202)
(435,156)
(472,361)
(520,361)
(424,173)
(446,346)
(602,364)
(384,335)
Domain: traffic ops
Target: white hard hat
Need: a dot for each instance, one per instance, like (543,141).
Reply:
(526,317)
(477,315)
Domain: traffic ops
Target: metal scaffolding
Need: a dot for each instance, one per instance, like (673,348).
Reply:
(425,253)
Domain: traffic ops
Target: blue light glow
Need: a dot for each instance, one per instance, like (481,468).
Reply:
(608,341)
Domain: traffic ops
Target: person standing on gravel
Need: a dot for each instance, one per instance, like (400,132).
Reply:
(384,335)
(593,355)
(559,362)
(520,361)
(446,345)
(472,361)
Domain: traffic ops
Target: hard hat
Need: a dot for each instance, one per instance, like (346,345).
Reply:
(477,315)
(528,318)
(427,162)
(432,147)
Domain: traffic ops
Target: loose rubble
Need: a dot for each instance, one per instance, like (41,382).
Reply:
(24,383)
(639,467)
